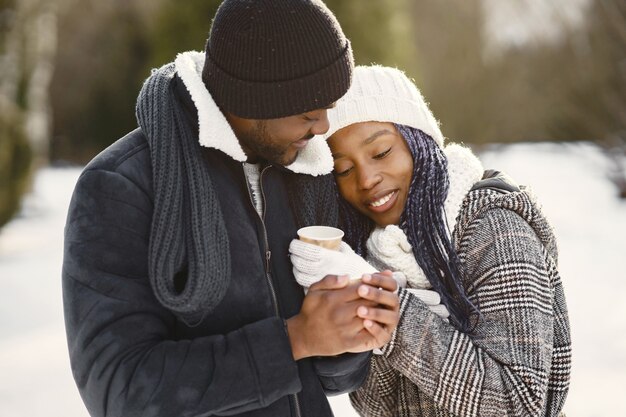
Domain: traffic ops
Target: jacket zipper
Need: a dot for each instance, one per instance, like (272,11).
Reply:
(268,253)
(268,257)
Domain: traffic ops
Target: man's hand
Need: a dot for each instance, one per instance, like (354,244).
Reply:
(329,323)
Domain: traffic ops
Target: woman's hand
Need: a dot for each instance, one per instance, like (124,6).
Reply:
(381,321)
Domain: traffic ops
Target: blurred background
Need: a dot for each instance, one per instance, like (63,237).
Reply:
(535,87)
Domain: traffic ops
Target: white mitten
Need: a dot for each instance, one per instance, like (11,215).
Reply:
(311,263)
(432,300)
(389,248)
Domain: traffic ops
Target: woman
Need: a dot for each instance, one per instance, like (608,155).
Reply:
(505,349)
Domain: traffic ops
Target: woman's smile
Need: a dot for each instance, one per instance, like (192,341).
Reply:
(384,203)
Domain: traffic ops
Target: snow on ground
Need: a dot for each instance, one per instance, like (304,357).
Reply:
(570,181)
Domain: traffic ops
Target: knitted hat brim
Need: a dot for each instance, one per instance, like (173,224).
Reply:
(385,109)
(251,99)
(383,94)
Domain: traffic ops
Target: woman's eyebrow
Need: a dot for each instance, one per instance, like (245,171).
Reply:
(376,135)
(367,141)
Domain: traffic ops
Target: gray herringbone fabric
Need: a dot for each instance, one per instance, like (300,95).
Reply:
(517,363)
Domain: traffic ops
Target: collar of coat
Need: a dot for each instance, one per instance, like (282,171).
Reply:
(215,131)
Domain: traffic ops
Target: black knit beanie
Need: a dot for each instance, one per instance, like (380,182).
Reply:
(267,59)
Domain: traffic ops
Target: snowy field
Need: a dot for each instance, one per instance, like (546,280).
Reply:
(570,181)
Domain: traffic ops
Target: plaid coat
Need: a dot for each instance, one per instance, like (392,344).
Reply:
(517,361)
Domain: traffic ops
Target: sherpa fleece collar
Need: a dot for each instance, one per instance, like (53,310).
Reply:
(215,131)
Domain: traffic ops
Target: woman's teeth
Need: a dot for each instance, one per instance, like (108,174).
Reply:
(383,200)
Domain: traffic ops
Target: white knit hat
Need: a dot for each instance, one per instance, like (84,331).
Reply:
(383,94)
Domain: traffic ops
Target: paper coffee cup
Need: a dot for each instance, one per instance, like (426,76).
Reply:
(324,236)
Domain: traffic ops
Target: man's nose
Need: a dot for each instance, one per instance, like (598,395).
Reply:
(321,125)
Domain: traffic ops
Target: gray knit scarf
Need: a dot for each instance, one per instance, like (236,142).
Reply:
(189,254)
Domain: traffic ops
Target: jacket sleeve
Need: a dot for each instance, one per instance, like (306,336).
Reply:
(124,358)
(343,373)
(377,396)
(503,367)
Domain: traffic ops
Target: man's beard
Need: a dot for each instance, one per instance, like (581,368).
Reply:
(259,143)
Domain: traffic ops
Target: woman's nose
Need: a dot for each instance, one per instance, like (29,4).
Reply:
(368,178)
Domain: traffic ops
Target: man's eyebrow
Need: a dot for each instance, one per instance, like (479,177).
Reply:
(367,141)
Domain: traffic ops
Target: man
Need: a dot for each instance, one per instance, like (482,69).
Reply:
(178,292)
